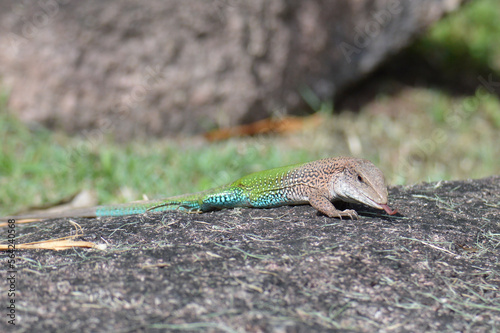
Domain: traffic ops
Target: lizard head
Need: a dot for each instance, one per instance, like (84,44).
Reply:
(361,182)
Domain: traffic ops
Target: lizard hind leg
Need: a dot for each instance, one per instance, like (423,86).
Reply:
(325,206)
(175,205)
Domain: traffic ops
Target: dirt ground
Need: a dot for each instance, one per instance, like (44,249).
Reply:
(434,267)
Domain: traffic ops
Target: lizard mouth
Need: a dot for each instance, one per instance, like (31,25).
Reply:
(385,207)
(370,202)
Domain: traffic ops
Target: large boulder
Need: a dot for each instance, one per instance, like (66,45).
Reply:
(161,67)
(431,268)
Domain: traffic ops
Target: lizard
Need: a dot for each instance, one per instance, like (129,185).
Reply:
(317,183)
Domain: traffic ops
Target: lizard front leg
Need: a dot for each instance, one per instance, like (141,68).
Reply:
(325,206)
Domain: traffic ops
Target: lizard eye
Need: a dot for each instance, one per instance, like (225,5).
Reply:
(360,179)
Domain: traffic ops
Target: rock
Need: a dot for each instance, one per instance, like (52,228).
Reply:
(164,67)
(432,268)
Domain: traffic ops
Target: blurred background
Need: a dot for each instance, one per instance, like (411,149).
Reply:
(127,100)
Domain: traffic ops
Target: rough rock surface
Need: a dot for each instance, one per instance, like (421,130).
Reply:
(162,67)
(432,268)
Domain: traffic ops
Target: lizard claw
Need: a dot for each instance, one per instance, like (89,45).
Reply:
(350,213)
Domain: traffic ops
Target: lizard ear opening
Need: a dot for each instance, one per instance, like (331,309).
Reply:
(360,179)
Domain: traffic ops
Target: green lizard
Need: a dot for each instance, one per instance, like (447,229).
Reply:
(317,183)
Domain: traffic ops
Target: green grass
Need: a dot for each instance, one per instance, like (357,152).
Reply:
(433,136)
(473,31)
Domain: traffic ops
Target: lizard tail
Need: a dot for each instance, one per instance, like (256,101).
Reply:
(78,212)
(189,202)
(138,208)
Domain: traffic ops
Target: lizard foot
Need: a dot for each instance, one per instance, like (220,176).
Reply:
(350,213)
(325,206)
